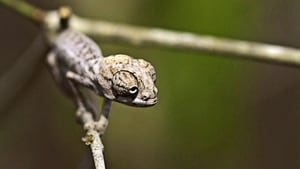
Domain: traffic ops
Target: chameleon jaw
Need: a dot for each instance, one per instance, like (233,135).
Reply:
(142,103)
(136,102)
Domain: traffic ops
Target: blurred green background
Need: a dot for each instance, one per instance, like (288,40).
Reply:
(213,112)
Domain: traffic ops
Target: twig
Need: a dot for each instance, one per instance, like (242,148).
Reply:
(26,10)
(92,138)
(139,36)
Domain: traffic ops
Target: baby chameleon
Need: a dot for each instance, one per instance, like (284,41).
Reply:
(77,60)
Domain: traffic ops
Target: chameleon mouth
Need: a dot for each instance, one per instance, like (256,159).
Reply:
(137,102)
(143,103)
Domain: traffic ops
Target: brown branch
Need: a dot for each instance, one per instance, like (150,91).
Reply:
(26,10)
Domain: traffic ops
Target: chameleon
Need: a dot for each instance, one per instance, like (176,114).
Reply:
(76,61)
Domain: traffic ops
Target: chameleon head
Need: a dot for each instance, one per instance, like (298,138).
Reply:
(128,89)
(132,81)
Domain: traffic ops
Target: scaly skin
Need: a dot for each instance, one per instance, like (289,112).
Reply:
(118,78)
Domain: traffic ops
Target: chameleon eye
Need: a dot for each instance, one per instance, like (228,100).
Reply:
(124,84)
(133,90)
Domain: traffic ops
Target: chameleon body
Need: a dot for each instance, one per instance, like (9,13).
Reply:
(118,78)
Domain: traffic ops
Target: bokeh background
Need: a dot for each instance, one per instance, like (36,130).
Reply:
(213,112)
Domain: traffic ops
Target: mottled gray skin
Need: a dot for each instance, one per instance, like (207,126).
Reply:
(119,77)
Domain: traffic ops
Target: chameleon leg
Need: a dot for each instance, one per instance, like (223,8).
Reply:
(80,80)
(85,112)
(74,80)
(57,74)
(102,124)
(86,109)
(70,88)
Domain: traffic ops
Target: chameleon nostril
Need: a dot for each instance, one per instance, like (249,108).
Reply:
(145,98)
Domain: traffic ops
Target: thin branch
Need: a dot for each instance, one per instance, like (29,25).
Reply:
(92,138)
(139,36)
(26,10)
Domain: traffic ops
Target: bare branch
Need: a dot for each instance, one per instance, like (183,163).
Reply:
(26,10)
(92,138)
(139,36)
